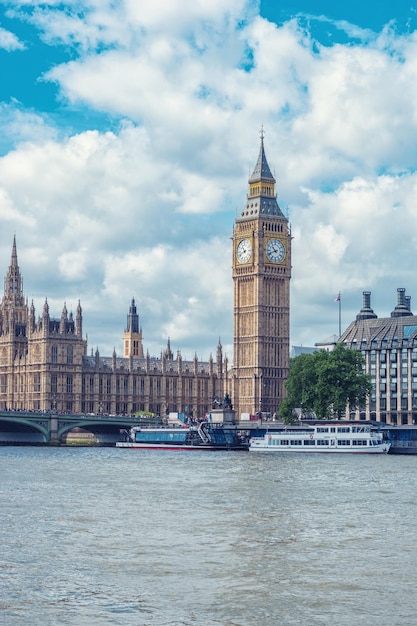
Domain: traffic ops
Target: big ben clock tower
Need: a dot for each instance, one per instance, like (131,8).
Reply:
(261,276)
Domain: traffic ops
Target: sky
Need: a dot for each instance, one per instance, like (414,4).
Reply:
(129,131)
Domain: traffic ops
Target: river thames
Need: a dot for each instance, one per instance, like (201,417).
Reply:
(107,536)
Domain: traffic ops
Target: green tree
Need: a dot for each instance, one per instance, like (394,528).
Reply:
(325,383)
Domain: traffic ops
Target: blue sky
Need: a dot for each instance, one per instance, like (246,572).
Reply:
(129,130)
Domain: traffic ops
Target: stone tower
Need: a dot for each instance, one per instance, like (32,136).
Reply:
(261,276)
(132,336)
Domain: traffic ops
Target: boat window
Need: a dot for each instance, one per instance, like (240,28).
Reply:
(359,442)
(161,436)
(322,442)
(309,442)
(343,429)
(322,429)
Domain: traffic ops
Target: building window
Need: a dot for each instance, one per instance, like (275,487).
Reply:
(69,384)
(54,384)
(70,355)
(54,354)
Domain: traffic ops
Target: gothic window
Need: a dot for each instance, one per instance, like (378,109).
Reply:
(3,383)
(4,356)
(37,383)
(142,386)
(69,384)
(70,355)
(54,383)
(37,354)
(54,354)
(108,385)
(125,386)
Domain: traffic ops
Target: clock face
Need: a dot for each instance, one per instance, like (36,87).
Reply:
(244,251)
(275,250)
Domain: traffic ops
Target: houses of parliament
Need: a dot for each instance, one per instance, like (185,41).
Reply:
(44,360)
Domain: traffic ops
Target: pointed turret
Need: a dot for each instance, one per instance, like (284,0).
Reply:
(168,352)
(13,283)
(262,170)
(219,359)
(132,337)
(261,198)
(132,318)
(32,320)
(79,321)
(64,319)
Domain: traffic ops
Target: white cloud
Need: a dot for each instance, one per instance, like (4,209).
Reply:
(9,41)
(147,210)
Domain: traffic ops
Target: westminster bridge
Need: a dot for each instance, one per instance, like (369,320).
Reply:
(37,428)
(30,427)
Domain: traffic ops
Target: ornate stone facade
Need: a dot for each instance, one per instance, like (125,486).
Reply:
(261,275)
(44,365)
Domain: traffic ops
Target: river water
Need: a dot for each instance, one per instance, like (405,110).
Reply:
(95,536)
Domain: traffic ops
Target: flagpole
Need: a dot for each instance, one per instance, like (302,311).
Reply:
(340,315)
(338,299)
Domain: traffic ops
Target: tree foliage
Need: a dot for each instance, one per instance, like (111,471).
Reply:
(324,383)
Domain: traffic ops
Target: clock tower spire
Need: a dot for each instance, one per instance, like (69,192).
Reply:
(261,276)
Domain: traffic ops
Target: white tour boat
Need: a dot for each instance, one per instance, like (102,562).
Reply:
(352,438)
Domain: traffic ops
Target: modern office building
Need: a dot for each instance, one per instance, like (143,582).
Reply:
(389,346)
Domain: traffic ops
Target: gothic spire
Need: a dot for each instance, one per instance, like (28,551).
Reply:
(261,171)
(133,318)
(261,199)
(13,284)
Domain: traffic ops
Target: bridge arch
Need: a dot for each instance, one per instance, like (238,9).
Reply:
(24,429)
